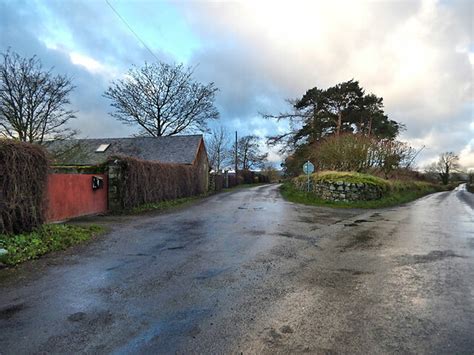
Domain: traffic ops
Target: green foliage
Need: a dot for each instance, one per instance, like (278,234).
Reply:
(47,238)
(322,120)
(343,108)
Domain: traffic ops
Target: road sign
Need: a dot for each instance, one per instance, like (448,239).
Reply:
(308,167)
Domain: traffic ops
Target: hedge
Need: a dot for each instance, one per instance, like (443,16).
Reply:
(140,182)
(23,179)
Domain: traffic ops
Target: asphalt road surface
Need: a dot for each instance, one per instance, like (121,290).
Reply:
(245,271)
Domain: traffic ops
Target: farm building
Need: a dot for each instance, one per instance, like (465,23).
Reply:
(83,169)
(189,149)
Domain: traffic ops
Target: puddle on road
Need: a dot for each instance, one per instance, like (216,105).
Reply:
(210,273)
(355,272)
(433,256)
(162,334)
(256,233)
(357,222)
(361,240)
(10,310)
(176,247)
(297,236)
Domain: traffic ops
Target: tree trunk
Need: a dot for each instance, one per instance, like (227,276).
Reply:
(339,123)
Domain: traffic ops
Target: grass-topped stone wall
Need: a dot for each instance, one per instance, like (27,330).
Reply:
(343,186)
(355,190)
(134,182)
(23,179)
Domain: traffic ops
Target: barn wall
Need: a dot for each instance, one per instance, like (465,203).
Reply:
(71,195)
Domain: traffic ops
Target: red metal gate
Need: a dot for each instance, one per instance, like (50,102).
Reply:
(72,195)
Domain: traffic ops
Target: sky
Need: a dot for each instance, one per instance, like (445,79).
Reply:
(417,55)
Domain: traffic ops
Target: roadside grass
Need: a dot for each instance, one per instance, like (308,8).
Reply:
(45,239)
(396,192)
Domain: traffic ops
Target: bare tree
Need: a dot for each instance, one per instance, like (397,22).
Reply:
(218,148)
(249,155)
(448,163)
(163,100)
(33,100)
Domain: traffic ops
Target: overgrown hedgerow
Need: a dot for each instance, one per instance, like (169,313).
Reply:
(144,182)
(23,178)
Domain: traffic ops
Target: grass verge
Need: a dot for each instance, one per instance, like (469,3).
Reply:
(398,193)
(47,238)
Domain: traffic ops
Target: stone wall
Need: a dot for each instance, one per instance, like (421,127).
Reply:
(341,191)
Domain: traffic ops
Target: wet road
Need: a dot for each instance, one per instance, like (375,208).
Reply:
(245,271)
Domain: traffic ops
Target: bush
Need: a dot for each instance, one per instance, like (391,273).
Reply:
(23,179)
(47,238)
(142,182)
(352,152)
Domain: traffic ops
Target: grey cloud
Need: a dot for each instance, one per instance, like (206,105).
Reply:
(257,64)
(409,52)
(95,33)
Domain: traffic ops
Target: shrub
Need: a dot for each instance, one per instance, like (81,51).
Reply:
(141,182)
(23,178)
(47,238)
(357,152)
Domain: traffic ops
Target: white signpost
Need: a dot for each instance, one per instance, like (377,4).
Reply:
(308,169)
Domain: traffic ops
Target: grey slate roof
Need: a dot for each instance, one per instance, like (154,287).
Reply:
(169,149)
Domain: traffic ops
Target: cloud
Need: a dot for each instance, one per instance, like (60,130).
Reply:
(67,41)
(415,54)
